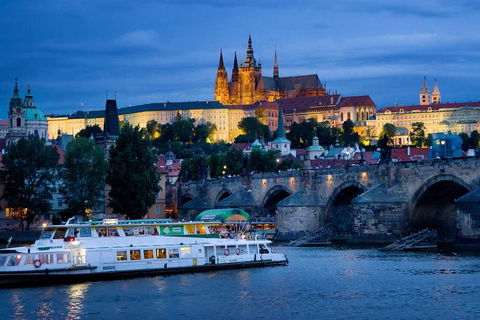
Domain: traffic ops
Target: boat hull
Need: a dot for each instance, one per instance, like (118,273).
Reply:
(66,276)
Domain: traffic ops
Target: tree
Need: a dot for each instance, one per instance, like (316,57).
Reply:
(252,128)
(29,172)
(83,176)
(233,161)
(153,129)
(473,140)
(465,141)
(347,134)
(183,130)
(166,133)
(89,130)
(417,136)
(132,174)
(389,130)
(204,132)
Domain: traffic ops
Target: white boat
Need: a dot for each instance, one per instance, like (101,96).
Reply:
(98,251)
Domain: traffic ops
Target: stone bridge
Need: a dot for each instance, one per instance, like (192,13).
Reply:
(372,199)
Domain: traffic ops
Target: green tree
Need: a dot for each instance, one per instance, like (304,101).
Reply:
(89,130)
(83,176)
(29,172)
(389,130)
(153,129)
(204,132)
(473,140)
(132,173)
(166,133)
(233,161)
(347,133)
(252,128)
(417,136)
(183,130)
(465,141)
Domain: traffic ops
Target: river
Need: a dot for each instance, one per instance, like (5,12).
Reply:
(319,283)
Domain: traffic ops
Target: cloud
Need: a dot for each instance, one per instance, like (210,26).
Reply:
(138,39)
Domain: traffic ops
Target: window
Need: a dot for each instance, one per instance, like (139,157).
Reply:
(19,122)
(173,253)
(28,260)
(157,209)
(86,232)
(63,258)
(161,253)
(60,202)
(185,252)
(121,255)
(46,258)
(135,255)
(112,232)
(60,233)
(46,234)
(3,259)
(147,254)
(14,260)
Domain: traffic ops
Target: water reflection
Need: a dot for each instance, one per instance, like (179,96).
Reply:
(44,306)
(18,306)
(76,296)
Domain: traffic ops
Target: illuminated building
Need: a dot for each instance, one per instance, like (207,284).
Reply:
(247,84)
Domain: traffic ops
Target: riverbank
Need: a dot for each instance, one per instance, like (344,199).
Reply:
(19,237)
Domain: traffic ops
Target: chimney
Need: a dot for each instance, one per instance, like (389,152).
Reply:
(408,151)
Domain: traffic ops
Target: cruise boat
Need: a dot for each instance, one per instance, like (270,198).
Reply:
(116,249)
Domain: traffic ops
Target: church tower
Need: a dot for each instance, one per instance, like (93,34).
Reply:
(249,74)
(275,68)
(16,115)
(425,95)
(281,143)
(235,69)
(221,82)
(436,96)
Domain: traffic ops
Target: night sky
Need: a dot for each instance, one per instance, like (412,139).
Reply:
(157,51)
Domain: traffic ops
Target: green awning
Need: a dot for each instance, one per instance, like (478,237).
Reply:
(223,215)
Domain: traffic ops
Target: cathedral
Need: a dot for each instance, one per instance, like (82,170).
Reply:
(247,85)
(24,118)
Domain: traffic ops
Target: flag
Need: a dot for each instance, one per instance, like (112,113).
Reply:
(8,242)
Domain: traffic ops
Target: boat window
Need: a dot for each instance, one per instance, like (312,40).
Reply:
(102,232)
(147,254)
(46,258)
(128,232)
(259,226)
(135,255)
(3,259)
(263,249)
(121,255)
(201,229)
(47,234)
(173,253)
(14,260)
(214,229)
(161,253)
(63,258)
(185,253)
(85,232)
(60,233)
(190,229)
(29,259)
(112,232)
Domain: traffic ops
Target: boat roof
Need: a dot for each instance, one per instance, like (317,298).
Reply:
(223,215)
(139,222)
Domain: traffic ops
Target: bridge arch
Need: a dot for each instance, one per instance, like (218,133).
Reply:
(224,193)
(274,196)
(433,204)
(338,212)
(185,198)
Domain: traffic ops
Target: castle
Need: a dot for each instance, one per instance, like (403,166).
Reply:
(427,97)
(247,85)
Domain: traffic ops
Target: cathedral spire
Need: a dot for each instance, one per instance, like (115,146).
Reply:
(425,86)
(275,67)
(220,63)
(281,125)
(436,96)
(250,60)
(235,68)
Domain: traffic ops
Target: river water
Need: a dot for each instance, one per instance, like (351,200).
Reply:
(319,283)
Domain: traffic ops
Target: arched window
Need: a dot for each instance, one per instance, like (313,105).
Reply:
(358,116)
(348,115)
(11,122)
(19,122)
(363,115)
(341,116)
(35,133)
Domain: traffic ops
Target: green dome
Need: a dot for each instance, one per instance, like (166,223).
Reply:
(33,114)
(256,144)
(315,148)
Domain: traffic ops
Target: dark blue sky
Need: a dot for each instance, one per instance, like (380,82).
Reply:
(154,51)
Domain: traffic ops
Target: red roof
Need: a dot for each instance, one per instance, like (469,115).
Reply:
(364,100)
(4,123)
(434,107)
(173,169)
(61,154)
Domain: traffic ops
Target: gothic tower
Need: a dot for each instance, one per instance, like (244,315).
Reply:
(275,68)
(221,82)
(425,94)
(249,73)
(436,96)
(235,69)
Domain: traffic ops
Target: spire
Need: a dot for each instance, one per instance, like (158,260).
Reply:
(220,63)
(435,87)
(425,86)
(15,90)
(250,60)
(436,96)
(235,69)
(275,67)
(281,125)
(16,100)
(28,97)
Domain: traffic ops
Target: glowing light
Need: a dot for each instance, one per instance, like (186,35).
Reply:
(44,224)
(364,175)
(329,177)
